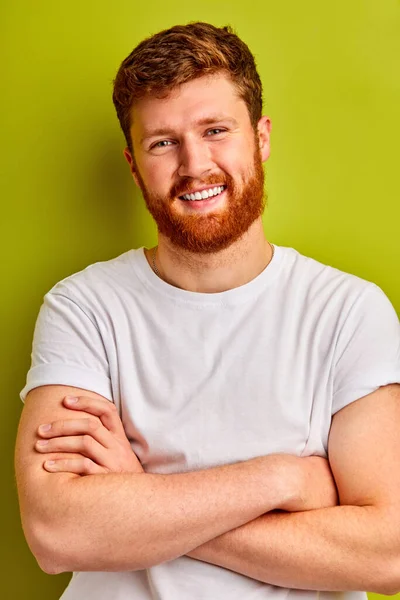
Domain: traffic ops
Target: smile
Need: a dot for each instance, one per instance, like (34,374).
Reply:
(204,194)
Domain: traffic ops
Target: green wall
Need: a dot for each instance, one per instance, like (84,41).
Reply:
(332,88)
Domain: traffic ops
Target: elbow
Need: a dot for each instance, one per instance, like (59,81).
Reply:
(63,550)
(392,586)
(389,584)
(50,567)
(49,557)
(392,593)
(47,548)
(388,589)
(393,583)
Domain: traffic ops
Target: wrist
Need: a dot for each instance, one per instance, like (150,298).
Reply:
(286,478)
(277,476)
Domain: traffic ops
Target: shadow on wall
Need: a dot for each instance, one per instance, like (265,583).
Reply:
(117,201)
(99,206)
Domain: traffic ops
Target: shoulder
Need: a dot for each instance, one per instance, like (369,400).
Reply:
(99,290)
(103,277)
(323,285)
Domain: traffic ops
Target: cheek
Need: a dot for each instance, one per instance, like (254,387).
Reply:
(233,157)
(233,164)
(155,174)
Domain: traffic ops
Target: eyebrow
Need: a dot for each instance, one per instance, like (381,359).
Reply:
(165,131)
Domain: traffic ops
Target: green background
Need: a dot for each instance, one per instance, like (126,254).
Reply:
(332,89)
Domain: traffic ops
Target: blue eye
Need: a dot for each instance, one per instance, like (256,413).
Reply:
(215,131)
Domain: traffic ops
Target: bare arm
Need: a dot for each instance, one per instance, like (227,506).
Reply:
(355,546)
(71,522)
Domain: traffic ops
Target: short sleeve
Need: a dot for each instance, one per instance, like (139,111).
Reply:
(368,348)
(67,349)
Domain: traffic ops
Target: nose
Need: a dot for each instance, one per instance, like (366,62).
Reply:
(194,159)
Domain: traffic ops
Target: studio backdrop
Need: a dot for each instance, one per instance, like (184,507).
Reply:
(331,81)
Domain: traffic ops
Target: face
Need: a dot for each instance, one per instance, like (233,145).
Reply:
(198,162)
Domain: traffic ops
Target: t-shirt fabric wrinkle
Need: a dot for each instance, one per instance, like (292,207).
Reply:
(203,380)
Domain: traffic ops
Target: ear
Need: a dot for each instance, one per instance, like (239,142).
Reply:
(132,165)
(264,127)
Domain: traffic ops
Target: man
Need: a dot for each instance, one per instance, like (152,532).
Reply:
(234,368)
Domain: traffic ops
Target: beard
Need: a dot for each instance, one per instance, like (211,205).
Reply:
(216,230)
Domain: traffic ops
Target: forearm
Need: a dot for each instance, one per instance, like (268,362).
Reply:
(147,519)
(333,549)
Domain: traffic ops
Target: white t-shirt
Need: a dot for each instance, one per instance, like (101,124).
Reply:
(202,380)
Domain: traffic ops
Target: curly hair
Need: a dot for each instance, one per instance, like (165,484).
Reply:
(180,54)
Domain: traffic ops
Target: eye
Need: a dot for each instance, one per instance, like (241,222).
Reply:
(215,131)
(161,144)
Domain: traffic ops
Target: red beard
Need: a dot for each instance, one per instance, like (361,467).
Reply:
(213,231)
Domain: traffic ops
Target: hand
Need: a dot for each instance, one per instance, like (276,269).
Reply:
(315,485)
(96,440)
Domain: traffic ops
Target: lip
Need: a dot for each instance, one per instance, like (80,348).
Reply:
(203,205)
(206,187)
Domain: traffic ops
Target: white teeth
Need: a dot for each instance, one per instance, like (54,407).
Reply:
(204,194)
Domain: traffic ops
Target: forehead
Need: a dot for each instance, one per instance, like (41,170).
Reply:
(193,102)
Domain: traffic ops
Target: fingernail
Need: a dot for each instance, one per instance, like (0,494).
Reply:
(71,399)
(50,463)
(45,427)
(42,442)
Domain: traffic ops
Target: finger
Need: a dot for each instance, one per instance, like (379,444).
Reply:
(84,445)
(72,427)
(104,409)
(62,455)
(81,466)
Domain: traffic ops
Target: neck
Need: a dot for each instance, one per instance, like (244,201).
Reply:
(212,273)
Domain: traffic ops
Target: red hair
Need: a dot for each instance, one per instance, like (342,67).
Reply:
(180,54)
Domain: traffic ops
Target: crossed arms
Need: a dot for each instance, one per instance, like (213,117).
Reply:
(227,515)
